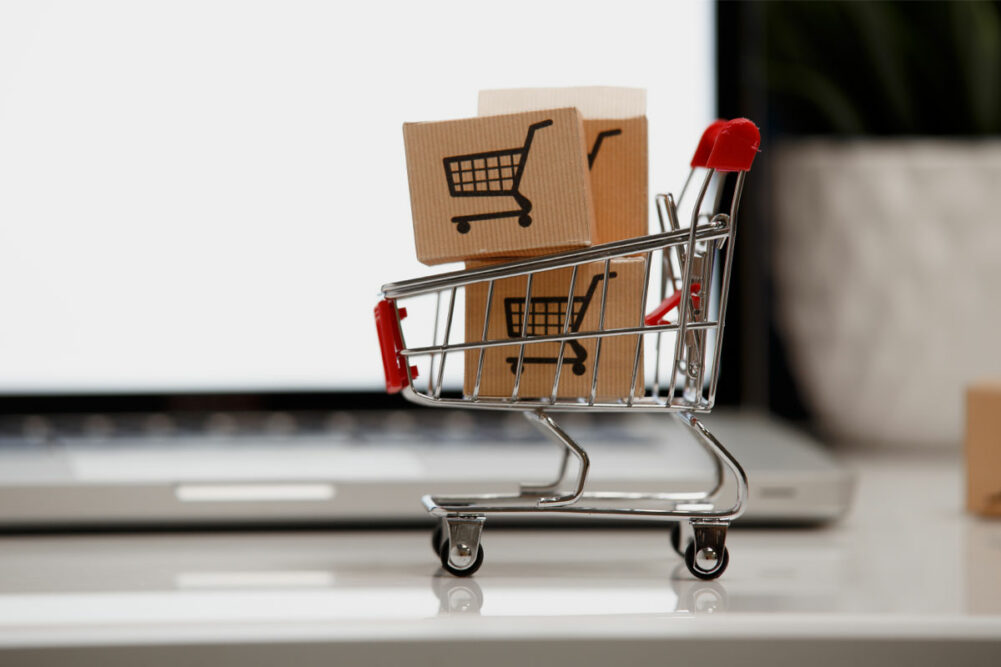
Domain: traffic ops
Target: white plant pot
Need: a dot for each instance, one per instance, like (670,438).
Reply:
(887,266)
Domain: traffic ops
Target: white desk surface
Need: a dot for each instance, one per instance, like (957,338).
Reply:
(906,574)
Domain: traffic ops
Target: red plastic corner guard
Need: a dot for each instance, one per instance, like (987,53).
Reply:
(394,364)
(736,145)
(706,143)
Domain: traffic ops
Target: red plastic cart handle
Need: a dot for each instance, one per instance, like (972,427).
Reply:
(736,145)
(706,143)
(667,305)
(394,364)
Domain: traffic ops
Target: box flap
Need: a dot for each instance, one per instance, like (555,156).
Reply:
(592,101)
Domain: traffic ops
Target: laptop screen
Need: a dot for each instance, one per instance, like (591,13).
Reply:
(207,196)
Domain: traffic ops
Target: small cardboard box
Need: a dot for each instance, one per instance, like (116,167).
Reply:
(546,315)
(615,131)
(983,448)
(505,186)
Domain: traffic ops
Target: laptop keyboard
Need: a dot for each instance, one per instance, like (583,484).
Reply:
(372,428)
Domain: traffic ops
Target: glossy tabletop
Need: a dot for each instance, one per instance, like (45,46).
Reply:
(907,570)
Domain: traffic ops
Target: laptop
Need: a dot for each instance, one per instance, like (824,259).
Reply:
(187,468)
(189,270)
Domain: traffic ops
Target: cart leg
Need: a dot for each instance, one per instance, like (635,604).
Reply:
(722,459)
(546,424)
(706,555)
(461,553)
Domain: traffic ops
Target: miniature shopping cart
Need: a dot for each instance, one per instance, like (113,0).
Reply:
(682,263)
(545,316)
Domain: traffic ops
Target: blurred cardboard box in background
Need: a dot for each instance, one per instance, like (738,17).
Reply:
(501,186)
(615,129)
(546,314)
(983,447)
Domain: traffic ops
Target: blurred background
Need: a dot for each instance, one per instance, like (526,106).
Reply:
(868,275)
(207,196)
(199,201)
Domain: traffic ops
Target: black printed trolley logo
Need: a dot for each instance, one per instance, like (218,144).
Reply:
(492,174)
(597,144)
(498,174)
(546,317)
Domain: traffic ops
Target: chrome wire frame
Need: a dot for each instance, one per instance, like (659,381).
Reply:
(699,505)
(689,256)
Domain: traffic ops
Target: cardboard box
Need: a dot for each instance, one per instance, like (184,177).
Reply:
(504,186)
(615,131)
(983,448)
(547,307)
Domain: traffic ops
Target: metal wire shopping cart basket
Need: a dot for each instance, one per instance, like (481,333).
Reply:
(677,261)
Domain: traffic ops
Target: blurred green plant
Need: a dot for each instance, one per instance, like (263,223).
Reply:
(883,67)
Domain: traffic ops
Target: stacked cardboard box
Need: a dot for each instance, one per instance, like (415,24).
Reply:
(615,135)
(539,171)
(983,447)
(546,315)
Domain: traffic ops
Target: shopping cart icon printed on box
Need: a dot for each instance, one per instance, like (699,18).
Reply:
(492,174)
(546,317)
(597,144)
(498,174)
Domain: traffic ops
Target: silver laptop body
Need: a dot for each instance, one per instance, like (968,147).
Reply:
(371,467)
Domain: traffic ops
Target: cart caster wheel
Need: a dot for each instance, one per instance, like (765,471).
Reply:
(443,554)
(579,369)
(524,220)
(676,539)
(436,537)
(707,566)
(462,227)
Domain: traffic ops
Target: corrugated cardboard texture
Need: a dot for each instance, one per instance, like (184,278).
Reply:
(548,299)
(445,193)
(983,448)
(618,177)
(618,163)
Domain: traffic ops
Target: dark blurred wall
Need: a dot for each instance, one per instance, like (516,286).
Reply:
(837,69)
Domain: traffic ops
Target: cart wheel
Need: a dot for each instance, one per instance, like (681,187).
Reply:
(436,536)
(524,220)
(705,570)
(462,227)
(443,554)
(676,539)
(579,369)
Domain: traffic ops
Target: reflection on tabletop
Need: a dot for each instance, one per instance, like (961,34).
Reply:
(372,574)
